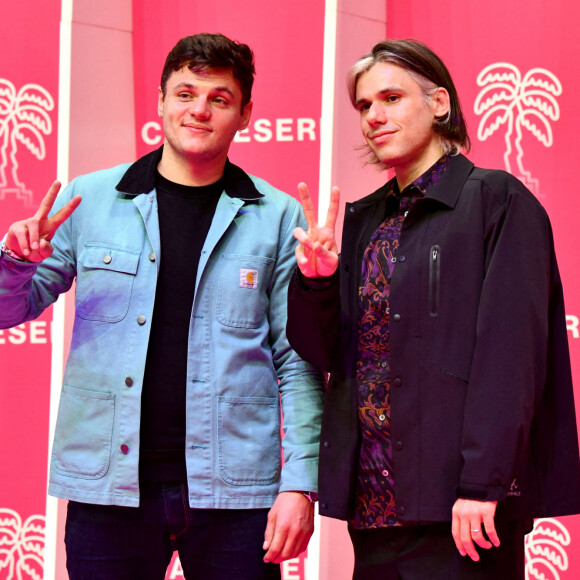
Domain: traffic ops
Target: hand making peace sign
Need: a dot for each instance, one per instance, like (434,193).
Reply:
(30,238)
(317,253)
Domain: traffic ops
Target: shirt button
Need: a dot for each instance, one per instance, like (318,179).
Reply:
(384,364)
(152,256)
(385,472)
(393,259)
(141,320)
(129,381)
(107,259)
(397,382)
(124,449)
(382,416)
(398,445)
(396,317)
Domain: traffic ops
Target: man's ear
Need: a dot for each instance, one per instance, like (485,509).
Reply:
(160,103)
(440,102)
(246,115)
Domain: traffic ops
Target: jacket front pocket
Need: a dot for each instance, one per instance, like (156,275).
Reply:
(242,296)
(434,280)
(84,430)
(249,440)
(105,281)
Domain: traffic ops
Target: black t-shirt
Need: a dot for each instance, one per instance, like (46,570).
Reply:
(185,216)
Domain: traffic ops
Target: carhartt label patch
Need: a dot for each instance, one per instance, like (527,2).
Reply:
(248,278)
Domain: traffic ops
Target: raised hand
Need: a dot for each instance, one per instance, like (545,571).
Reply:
(317,253)
(30,238)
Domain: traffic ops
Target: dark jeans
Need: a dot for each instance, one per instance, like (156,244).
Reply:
(429,553)
(124,543)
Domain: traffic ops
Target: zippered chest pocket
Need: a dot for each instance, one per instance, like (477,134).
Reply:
(434,279)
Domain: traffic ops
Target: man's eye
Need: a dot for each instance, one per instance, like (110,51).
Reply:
(184,96)
(220,101)
(393,98)
(364,107)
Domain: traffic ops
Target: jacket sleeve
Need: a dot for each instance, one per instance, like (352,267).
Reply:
(301,384)
(509,365)
(27,289)
(314,318)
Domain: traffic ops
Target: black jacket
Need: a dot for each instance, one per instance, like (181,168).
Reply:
(482,402)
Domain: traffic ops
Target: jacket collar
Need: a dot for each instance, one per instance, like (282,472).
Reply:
(140,178)
(447,190)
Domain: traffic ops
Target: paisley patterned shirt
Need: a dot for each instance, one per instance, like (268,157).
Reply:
(375,504)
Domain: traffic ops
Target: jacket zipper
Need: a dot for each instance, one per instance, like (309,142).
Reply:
(434,280)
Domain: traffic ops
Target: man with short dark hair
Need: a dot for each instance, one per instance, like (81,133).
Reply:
(168,431)
(449,419)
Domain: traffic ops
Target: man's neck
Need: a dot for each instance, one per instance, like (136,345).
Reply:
(409,172)
(190,172)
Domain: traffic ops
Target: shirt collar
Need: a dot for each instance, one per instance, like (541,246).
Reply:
(140,178)
(421,186)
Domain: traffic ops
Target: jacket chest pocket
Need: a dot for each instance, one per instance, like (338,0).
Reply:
(242,298)
(105,281)
(434,279)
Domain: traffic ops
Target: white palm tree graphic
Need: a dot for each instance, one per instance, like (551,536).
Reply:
(21,546)
(519,103)
(545,549)
(24,118)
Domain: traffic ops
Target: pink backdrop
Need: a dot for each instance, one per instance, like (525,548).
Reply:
(28,122)
(283,146)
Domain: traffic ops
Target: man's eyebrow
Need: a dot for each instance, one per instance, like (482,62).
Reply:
(380,93)
(193,86)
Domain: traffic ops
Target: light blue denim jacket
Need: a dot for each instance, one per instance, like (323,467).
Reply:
(240,364)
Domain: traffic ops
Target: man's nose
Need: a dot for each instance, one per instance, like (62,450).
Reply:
(376,114)
(199,107)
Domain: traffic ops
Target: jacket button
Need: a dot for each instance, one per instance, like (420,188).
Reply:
(401,510)
(397,382)
(326,444)
(107,259)
(124,449)
(398,445)
(401,258)
(323,505)
(152,257)
(351,209)
(141,320)
(396,317)
(129,381)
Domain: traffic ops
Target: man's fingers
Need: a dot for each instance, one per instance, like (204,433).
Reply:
(333,208)
(21,235)
(33,234)
(48,201)
(307,205)
(489,525)
(62,215)
(467,541)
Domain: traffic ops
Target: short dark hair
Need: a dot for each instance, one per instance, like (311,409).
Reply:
(430,72)
(203,51)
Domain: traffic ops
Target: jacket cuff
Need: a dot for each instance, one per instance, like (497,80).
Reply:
(314,284)
(480,493)
(300,475)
